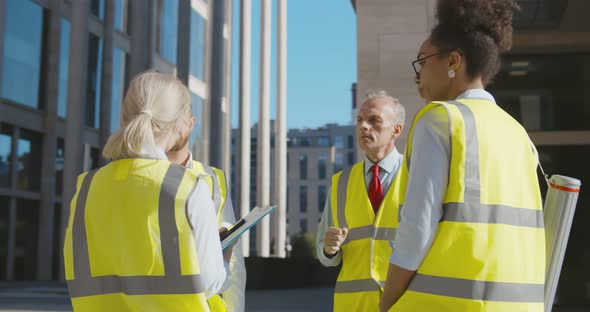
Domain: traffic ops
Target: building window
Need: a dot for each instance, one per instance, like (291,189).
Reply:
(64,64)
(94,81)
(338,162)
(196,139)
(322,164)
(4,222)
(28,166)
(197,48)
(350,158)
(324,141)
(59,166)
(339,142)
(21,69)
(97,8)
(118,85)
(121,14)
(303,225)
(350,141)
(5,156)
(303,167)
(322,193)
(25,248)
(303,198)
(167,29)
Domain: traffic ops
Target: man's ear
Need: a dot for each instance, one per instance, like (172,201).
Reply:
(397,131)
(192,123)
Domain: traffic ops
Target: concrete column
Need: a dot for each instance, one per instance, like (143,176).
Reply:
(263,155)
(107,75)
(216,85)
(281,131)
(46,213)
(184,41)
(245,72)
(75,108)
(139,11)
(227,91)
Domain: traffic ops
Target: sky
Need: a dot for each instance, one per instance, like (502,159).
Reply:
(321,62)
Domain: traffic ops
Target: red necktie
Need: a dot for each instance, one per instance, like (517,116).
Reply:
(375,189)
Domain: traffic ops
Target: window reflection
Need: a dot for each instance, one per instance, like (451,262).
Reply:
(21,69)
(28,166)
(64,63)
(196,139)
(5,155)
(121,14)
(197,48)
(167,29)
(117,88)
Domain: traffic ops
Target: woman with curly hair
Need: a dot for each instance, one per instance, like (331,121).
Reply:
(471,234)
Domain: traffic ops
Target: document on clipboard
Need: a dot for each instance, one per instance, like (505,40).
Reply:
(237,229)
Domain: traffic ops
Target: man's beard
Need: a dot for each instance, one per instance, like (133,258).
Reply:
(182,141)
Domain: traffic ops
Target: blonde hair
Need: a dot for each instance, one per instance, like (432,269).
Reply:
(398,109)
(153,112)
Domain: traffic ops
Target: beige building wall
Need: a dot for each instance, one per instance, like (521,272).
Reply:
(389,34)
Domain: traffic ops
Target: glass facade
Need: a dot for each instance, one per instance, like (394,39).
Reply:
(546,92)
(4,226)
(97,8)
(21,66)
(5,155)
(196,138)
(28,165)
(121,15)
(94,81)
(117,88)
(25,249)
(197,47)
(168,29)
(64,64)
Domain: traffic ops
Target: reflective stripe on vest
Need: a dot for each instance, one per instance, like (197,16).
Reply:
(478,290)
(473,211)
(172,282)
(357,286)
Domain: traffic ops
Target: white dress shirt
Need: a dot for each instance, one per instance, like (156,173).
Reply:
(389,167)
(427,183)
(201,214)
(235,289)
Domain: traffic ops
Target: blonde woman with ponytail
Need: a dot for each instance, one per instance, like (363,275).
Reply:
(142,233)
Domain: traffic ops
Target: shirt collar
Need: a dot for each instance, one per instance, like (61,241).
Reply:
(153,152)
(388,163)
(476,93)
(189,162)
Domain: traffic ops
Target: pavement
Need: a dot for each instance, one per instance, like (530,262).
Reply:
(53,297)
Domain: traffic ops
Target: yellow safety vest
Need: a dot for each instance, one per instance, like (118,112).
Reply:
(489,250)
(366,250)
(129,245)
(218,185)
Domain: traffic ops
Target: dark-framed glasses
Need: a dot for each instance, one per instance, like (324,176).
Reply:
(417,64)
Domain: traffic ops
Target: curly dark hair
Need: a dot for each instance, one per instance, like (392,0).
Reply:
(480,29)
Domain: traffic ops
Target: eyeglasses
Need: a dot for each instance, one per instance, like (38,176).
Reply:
(417,64)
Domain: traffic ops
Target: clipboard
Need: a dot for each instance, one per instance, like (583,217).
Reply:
(237,229)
